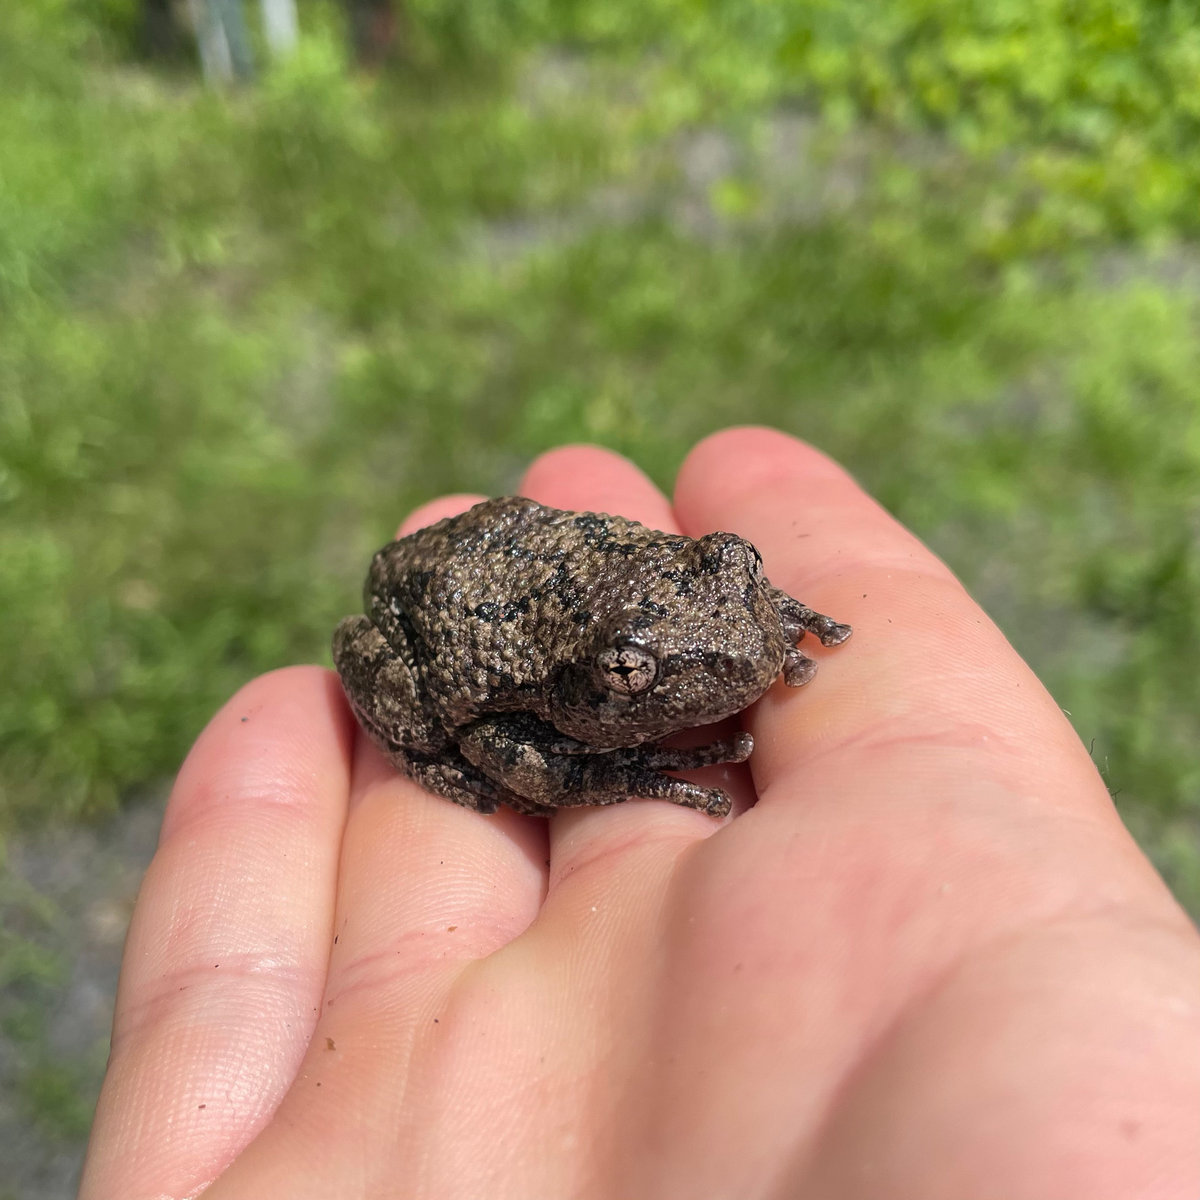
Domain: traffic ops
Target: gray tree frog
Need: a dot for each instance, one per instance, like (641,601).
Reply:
(521,655)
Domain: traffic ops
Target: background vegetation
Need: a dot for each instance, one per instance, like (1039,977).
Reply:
(950,241)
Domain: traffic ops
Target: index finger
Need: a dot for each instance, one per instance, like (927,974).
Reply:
(927,679)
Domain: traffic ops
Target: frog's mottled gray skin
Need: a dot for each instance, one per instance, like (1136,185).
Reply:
(521,655)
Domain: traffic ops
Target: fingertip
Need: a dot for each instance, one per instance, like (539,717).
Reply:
(796,504)
(594,479)
(751,458)
(433,511)
(283,729)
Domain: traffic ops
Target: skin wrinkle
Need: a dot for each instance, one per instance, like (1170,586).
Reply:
(484,921)
(469,1012)
(296,718)
(953,735)
(661,840)
(263,833)
(396,1025)
(284,783)
(169,994)
(376,782)
(199,931)
(469,884)
(846,574)
(222,1111)
(438,949)
(286,792)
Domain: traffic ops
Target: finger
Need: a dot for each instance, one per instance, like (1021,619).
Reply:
(923,653)
(426,883)
(921,802)
(925,696)
(435,510)
(225,958)
(426,887)
(417,864)
(586,478)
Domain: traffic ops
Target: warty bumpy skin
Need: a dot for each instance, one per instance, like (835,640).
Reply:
(522,655)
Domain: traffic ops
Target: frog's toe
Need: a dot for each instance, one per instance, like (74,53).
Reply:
(798,668)
(712,801)
(735,749)
(833,634)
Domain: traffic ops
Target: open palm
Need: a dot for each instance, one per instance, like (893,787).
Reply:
(923,959)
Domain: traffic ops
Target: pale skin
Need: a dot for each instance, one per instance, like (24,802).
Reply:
(929,962)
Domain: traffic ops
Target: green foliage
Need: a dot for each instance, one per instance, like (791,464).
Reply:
(1089,106)
(57,1097)
(117,22)
(56,1094)
(242,333)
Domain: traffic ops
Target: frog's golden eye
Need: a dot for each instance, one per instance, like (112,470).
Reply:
(627,668)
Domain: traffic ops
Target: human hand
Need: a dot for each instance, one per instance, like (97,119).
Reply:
(928,962)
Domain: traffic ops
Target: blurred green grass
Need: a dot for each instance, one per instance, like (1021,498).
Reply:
(241,333)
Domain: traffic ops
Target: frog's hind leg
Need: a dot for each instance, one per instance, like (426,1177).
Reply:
(462,784)
(532,759)
(382,689)
(381,685)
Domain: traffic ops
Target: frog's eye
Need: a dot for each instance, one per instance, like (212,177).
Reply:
(627,668)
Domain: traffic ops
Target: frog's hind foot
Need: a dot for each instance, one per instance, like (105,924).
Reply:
(653,786)
(452,782)
(734,749)
(798,668)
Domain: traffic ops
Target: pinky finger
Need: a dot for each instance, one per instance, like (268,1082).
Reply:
(226,955)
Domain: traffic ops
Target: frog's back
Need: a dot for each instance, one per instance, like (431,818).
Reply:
(494,597)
